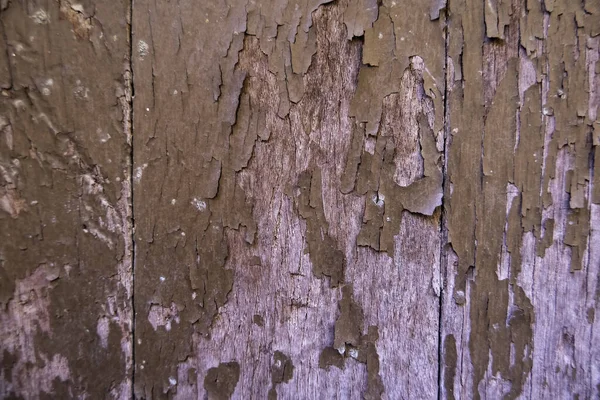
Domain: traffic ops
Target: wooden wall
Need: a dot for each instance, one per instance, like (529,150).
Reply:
(379,199)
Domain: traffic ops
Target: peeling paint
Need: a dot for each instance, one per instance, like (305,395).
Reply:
(350,342)
(220,382)
(274,138)
(282,371)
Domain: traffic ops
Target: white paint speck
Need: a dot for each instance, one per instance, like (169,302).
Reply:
(40,17)
(199,204)
(172,381)
(77,7)
(143,48)
(147,108)
(378,199)
(163,316)
(104,136)
(175,92)
(162,278)
(80,91)
(182,233)
(459,298)
(380,35)
(194,295)
(353,353)
(173,201)
(139,171)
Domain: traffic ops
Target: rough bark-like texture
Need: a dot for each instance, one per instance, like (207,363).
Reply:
(65,244)
(379,199)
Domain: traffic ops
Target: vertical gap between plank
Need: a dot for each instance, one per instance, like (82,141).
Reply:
(132,224)
(443,227)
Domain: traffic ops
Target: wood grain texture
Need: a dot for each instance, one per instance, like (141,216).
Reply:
(266,136)
(65,253)
(378,199)
(521,266)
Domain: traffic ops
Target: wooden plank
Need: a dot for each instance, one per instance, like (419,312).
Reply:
(518,315)
(65,232)
(286,181)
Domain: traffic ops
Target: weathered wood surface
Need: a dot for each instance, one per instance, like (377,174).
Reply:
(331,199)
(65,241)
(522,268)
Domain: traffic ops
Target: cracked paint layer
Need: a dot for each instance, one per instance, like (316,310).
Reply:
(248,144)
(413,185)
(521,112)
(349,342)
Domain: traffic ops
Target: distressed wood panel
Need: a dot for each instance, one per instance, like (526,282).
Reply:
(65,232)
(315,217)
(287,171)
(518,316)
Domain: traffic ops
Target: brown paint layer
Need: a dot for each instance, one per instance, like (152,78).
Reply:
(65,229)
(297,169)
(520,111)
(220,382)
(282,371)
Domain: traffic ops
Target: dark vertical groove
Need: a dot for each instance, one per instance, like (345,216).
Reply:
(131,97)
(443,227)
